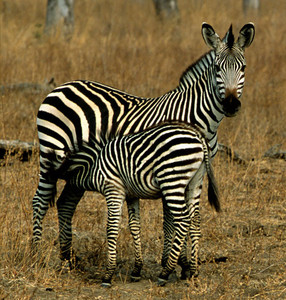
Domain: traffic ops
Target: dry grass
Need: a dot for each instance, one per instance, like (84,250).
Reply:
(121,43)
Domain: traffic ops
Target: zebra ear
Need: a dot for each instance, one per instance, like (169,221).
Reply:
(211,38)
(246,36)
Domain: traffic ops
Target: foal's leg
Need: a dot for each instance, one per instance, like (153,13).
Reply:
(114,205)
(181,222)
(66,206)
(168,227)
(44,197)
(193,193)
(134,225)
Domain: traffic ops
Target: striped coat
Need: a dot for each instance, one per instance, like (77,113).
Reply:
(167,161)
(85,112)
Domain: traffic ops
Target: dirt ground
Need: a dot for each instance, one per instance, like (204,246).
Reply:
(242,250)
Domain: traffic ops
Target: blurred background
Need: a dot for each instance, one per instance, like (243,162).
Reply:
(129,45)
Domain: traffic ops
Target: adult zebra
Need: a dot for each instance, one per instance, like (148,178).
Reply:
(81,111)
(167,161)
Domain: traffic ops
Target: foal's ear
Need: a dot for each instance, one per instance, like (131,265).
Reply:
(246,36)
(211,38)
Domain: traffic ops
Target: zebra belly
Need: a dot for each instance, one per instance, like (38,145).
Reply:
(142,186)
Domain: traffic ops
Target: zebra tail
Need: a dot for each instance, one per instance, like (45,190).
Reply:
(213,194)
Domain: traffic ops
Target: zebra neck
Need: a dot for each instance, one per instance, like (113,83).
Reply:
(197,71)
(194,101)
(87,176)
(198,87)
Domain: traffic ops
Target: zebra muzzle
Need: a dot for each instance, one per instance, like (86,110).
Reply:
(231,104)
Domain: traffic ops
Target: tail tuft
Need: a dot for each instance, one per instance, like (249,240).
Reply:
(213,193)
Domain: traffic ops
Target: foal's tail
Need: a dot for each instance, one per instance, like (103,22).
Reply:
(213,194)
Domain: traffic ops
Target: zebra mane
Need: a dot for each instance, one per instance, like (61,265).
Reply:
(198,67)
(229,38)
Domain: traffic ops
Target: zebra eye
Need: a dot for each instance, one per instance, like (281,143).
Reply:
(243,68)
(59,158)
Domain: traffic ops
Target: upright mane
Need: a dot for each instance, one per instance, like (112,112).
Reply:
(229,38)
(197,68)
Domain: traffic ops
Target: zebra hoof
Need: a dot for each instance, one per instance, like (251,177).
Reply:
(106,284)
(186,274)
(161,282)
(135,278)
(194,273)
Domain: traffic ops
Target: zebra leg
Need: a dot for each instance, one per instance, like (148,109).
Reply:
(114,206)
(44,197)
(195,233)
(193,194)
(134,225)
(66,206)
(181,222)
(183,261)
(168,228)
(181,230)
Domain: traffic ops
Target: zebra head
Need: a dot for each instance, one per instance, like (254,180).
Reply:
(229,64)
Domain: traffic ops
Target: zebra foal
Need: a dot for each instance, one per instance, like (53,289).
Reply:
(81,112)
(167,161)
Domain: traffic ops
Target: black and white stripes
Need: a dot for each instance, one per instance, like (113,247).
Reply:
(87,112)
(167,161)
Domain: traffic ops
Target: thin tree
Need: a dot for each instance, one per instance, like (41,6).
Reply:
(250,5)
(60,16)
(166,9)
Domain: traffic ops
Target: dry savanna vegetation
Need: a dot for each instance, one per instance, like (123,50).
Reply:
(123,44)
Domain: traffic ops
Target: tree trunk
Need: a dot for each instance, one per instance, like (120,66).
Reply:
(250,5)
(60,16)
(166,9)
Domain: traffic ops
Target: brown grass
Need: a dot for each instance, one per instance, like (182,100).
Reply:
(121,43)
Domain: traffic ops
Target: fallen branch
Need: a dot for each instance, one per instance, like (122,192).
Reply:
(231,153)
(275,152)
(30,86)
(13,147)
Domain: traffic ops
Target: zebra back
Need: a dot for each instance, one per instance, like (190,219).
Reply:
(119,154)
(208,90)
